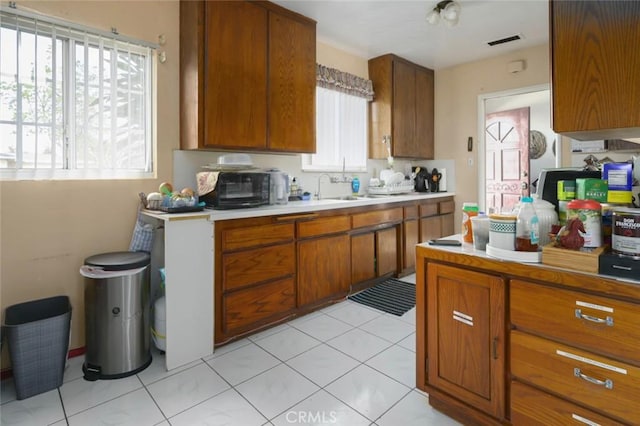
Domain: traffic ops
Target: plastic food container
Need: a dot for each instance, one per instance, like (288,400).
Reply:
(502,231)
(590,214)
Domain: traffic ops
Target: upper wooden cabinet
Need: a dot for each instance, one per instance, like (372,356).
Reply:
(595,63)
(247,77)
(402,109)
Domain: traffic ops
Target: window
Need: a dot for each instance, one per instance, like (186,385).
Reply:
(341,122)
(74,103)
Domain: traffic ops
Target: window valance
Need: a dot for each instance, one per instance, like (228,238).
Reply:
(331,78)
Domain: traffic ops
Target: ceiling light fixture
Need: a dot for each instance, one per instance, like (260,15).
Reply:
(448,10)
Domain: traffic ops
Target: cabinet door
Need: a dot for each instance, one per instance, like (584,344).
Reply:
(387,251)
(410,235)
(363,257)
(236,75)
(292,84)
(594,68)
(430,228)
(466,336)
(323,268)
(403,142)
(446,225)
(424,143)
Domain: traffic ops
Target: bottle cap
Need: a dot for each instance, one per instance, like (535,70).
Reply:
(470,206)
(527,200)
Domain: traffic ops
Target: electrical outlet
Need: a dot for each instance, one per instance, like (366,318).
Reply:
(470,161)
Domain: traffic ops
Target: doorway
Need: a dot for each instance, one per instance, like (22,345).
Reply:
(544,145)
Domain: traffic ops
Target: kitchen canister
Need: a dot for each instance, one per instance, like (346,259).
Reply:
(590,214)
(502,231)
(625,236)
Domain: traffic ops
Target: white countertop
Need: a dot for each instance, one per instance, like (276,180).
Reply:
(467,248)
(297,207)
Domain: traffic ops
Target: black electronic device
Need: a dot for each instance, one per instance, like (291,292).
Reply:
(444,242)
(547,183)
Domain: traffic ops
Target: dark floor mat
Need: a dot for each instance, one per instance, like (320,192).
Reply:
(392,296)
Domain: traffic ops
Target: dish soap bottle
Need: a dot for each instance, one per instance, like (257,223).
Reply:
(527,226)
(355,185)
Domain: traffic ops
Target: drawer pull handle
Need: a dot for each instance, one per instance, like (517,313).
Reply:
(606,383)
(608,321)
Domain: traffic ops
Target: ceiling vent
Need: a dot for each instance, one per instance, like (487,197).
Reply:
(505,40)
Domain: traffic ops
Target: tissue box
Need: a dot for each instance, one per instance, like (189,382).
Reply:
(619,176)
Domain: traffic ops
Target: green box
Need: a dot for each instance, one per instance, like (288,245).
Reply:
(592,189)
(566,190)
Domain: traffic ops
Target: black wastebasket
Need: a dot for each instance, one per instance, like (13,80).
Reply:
(38,337)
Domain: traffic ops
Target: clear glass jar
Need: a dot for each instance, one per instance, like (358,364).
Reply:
(527,226)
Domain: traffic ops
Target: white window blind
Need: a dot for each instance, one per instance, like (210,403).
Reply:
(74,102)
(341,133)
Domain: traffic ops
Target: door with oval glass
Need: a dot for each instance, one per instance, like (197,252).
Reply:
(507,158)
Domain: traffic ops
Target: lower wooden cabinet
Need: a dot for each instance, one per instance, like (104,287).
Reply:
(387,251)
(323,268)
(571,349)
(607,385)
(255,275)
(466,337)
(410,237)
(254,304)
(376,245)
(363,255)
(436,219)
(530,406)
(271,268)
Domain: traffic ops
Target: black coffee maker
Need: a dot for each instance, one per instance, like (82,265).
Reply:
(422,179)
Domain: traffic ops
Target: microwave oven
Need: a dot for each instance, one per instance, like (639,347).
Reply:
(237,190)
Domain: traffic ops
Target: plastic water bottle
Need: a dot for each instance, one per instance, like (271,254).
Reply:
(527,226)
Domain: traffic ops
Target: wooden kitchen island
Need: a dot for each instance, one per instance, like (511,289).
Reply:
(503,342)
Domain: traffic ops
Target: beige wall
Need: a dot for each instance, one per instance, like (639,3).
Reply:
(456,108)
(48,228)
(331,57)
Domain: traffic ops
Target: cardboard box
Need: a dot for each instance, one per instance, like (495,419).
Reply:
(584,260)
(592,189)
(619,197)
(619,177)
(566,190)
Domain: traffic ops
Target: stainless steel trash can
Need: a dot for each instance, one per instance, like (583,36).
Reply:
(117,304)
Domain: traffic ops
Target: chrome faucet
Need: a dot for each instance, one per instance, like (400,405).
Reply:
(319,181)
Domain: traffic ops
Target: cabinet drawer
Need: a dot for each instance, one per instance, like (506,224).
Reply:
(445,207)
(253,236)
(530,406)
(578,318)
(253,266)
(411,212)
(247,307)
(608,386)
(361,220)
(323,226)
(427,210)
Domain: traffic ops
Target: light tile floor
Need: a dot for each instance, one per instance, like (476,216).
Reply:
(346,364)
